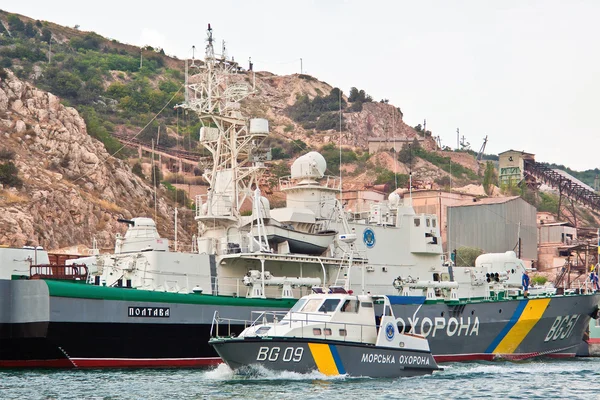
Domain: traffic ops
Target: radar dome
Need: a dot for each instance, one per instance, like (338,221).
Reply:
(394,199)
(310,165)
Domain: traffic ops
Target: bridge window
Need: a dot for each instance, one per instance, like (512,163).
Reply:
(417,221)
(317,331)
(427,222)
(327,331)
(329,305)
(350,306)
(298,306)
(433,222)
(312,305)
(344,333)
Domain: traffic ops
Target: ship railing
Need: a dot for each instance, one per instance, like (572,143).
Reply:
(327,181)
(229,286)
(74,272)
(280,325)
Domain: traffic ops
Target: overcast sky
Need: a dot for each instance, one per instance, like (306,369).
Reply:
(524,73)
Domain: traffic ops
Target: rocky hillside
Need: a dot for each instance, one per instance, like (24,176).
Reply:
(71,190)
(59,114)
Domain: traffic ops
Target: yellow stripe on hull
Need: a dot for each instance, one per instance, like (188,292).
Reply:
(323,358)
(531,315)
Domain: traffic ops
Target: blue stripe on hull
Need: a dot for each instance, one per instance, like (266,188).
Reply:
(337,359)
(513,320)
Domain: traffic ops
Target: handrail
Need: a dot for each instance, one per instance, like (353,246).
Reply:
(62,272)
(262,318)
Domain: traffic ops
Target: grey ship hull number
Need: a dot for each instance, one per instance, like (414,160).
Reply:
(149,312)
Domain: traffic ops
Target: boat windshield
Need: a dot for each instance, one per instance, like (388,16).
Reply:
(312,305)
(298,306)
(329,305)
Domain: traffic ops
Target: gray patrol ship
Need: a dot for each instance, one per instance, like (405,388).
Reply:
(146,306)
(330,331)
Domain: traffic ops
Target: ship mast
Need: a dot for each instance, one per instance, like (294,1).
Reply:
(213,93)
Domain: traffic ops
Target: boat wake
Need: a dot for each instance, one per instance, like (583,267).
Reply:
(260,373)
(516,367)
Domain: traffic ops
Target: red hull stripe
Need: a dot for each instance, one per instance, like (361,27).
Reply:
(594,340)
(112,363)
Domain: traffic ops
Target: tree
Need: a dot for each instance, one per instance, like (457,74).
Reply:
(489,177)
(46,35)
(353,95)
(15,23)
(29,30)
(466,256)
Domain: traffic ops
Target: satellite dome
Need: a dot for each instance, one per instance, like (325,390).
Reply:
(394,199)
(310,165)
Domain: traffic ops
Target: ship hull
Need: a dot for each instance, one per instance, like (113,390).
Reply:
(67,325)
(594,339)
(326,356)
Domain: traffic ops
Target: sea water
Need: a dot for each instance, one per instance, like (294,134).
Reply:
(547,379)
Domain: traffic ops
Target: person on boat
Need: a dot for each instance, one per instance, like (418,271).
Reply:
(594,279)
(525,282)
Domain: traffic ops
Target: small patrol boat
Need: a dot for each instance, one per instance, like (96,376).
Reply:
(331,331)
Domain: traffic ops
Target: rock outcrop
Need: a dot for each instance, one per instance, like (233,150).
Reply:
(73,191)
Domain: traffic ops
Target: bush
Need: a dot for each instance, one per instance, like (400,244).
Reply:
(91,41)
(329,121)
(9,175)
(331,153)
(7,154)
(390,178)
(539,280)
(443,181)
(137,170)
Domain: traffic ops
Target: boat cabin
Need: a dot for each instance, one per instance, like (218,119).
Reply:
(328,313)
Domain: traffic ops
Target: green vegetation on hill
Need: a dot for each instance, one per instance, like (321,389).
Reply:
(331,153)
(102,79)
(320,113)
(283,149)
(357,98)
(387,177)
(410,151)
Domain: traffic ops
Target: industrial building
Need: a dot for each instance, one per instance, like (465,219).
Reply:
(494,225)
